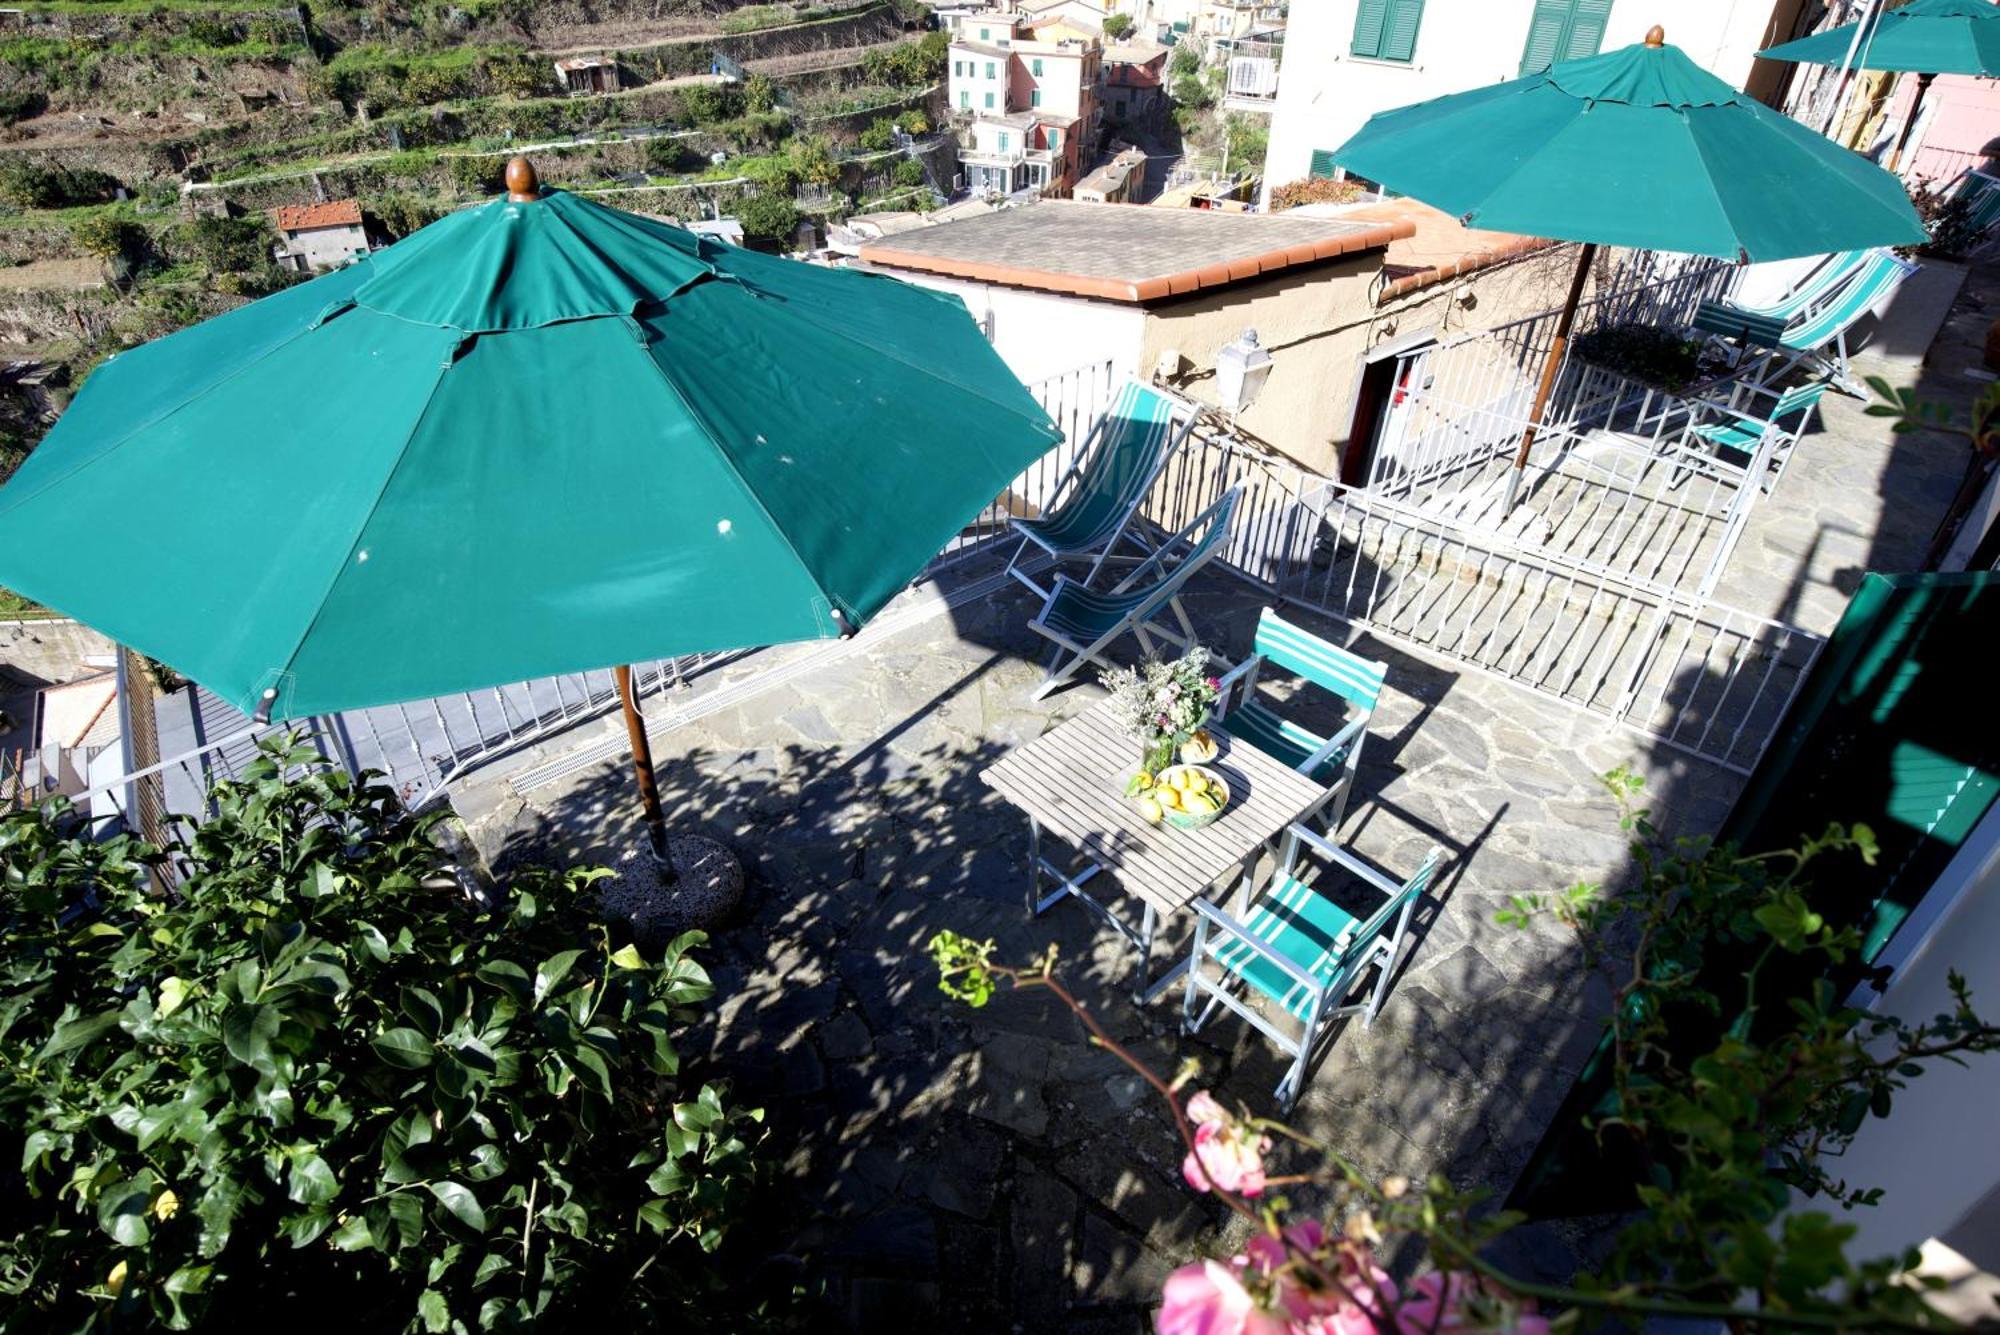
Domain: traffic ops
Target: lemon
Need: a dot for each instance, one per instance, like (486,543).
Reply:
(1185,779)
(1144,780)
(1170,799)
(1197,781)
(115,1281)
(167,1206)
(1151,811)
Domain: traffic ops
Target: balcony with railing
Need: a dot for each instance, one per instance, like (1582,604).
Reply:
(1253,76)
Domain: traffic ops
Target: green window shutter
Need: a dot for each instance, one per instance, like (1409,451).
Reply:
(1547,31)
(1322,164)
(1586,28)
(989,101)
(1369,17)
(1034,97)
(1038,67)
(1399,30)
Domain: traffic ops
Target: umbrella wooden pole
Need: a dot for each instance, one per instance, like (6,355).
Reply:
(1554,364)
(1909,122)
(642,764)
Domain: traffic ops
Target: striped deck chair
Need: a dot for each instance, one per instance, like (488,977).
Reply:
(1982,219)
(1817,339)
(1355,680)
(1736,436)
(1301,950)
(1091,509)
(1084,624)
(1725,318)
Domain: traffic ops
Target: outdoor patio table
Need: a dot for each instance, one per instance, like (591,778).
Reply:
(1072,782)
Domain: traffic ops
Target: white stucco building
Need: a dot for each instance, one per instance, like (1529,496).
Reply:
(1345,60)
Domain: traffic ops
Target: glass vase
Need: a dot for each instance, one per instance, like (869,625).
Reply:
(1156,754)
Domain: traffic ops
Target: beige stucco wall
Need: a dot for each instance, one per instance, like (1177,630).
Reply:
(1319,326)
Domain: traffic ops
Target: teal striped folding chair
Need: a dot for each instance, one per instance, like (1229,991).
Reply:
(1090,512)
(1736,436)
(1817,337)
(1301,951)
(1084,624)
(1981,224)
(1357,681)
(1726,318)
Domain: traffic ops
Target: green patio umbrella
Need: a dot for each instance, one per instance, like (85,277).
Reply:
(1636,147)
(539,436)
(1925,37)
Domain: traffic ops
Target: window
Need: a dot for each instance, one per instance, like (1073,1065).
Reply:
(1322,165)
(1387,29)
(989,69)
(1563,30)
(1038,67)
(989,101)
(1003,141)
(1034,97)
(986,34)
(964,100)
(1055,140)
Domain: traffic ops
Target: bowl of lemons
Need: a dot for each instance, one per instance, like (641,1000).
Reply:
(1186,797)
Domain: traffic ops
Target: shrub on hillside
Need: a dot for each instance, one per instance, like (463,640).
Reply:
(759,93)
(41,185)
(228,245)
(908,63)
(108,237)
(316,1078)
(768,217)
(879,135)
(705,104)
(519,73)
(21,103)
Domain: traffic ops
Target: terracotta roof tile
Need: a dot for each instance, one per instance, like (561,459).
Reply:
(333,213)
(1123,252)
(1438,246)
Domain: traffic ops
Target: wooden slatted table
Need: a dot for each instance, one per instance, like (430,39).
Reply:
(1071,782)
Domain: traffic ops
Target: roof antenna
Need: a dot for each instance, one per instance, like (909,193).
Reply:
(523,186)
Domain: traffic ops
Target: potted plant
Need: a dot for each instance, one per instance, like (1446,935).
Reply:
(1163,703)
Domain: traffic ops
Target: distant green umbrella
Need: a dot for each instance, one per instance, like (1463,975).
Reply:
(1637,147)
(1925,37)
(539,436)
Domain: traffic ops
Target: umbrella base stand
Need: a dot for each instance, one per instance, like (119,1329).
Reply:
(697,884)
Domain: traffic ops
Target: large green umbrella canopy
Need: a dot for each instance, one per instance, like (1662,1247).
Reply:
(539,436)
(1636,147)
(1923,37)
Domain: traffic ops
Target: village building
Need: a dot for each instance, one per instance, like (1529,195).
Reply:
(315,237)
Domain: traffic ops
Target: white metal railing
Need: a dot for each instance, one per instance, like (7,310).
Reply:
(1668,662)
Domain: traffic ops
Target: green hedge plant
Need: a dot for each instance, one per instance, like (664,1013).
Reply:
(316,1077)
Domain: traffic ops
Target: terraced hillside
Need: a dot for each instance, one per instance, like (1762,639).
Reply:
(143,142)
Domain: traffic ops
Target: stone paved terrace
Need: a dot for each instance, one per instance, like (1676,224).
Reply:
(926,1140)
(988,1167)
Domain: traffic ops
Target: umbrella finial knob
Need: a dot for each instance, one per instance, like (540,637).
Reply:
(1655,36)
(523,186)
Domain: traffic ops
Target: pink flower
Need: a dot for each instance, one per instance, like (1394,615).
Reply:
(1213,683)
(1226,1156)
(1208,1298)
(1460,1302)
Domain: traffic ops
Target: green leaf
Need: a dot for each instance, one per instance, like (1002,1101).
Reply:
(408,1212)
(217,1209)
(506,975)
(174,993)
(434,1312)
(590,1062)
(74,1033)
(423,1007)
(458,1199)
(247,1031)
(312,1180)
(122,1209)
(628,958)
(352,1236)
(404,1134)
(405,1048)
(554,969)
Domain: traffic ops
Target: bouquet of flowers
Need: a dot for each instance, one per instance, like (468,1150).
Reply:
(1163,704)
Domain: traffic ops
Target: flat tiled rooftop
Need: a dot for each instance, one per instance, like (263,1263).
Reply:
(1124,253)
